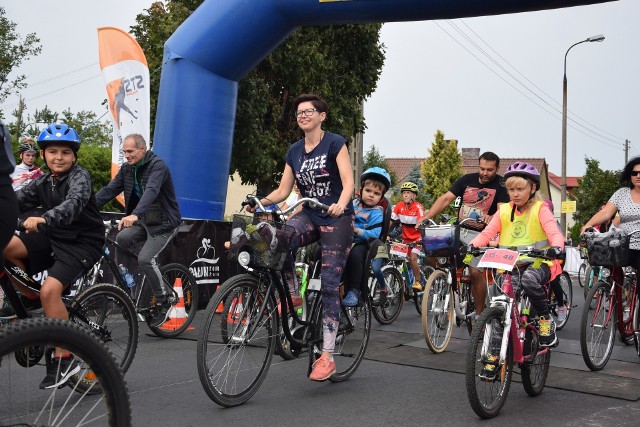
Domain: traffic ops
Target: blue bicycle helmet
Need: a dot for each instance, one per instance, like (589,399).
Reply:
(377,173)
(59,133)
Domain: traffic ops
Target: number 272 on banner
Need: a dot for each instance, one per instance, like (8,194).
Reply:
(502,259)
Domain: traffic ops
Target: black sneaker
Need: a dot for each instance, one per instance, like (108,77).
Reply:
(59,372)
(160,316)
(7,312)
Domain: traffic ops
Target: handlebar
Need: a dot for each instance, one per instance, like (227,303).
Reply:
(547,254)
(20,226)
(313,203)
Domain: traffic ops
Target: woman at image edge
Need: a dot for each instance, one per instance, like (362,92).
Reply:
(319,163)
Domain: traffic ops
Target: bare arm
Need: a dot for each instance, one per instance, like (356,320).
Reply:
(280,193)
(346,176)
(439,205)
(602,216)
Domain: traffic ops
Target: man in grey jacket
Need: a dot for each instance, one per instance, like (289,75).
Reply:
(149,198)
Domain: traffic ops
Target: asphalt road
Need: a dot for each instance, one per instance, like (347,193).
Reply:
(410,387)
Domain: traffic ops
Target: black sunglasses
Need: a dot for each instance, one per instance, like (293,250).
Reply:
(635,173)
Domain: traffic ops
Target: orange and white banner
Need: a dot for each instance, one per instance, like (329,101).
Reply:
(126,76)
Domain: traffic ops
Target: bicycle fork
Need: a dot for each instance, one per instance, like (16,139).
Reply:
(505,304)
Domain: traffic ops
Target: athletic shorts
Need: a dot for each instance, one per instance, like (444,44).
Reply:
(67,269)
(417,249)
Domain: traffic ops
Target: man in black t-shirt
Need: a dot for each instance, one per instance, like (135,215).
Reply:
(481,193)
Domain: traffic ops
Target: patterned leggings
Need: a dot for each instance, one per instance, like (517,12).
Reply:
(336,240)
(531,282)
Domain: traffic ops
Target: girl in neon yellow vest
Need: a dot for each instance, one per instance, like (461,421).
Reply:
(527,221)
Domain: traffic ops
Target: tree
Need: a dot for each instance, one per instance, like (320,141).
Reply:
(442,168)
(373,158)
(341,63)
(594,190)
(13,51)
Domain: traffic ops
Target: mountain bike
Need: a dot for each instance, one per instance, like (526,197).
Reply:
(103,309)
(401,291)
(23,403)
(609,306)
(236,343)
(141,294)
(449,298)
(506,332)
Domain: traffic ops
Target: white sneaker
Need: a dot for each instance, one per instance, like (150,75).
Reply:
(561,313)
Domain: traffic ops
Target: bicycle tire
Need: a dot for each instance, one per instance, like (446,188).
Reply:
(487,398)
(588,280)
(352,339)
(30,356)
(20,397)
(534,372)
(582,276)
(426,271)
(596,346)
(171,272)
(223,348)
(387,314)
(636,324)
(438,315)
(467,296)
(567,292)
(107,311)
(627,316)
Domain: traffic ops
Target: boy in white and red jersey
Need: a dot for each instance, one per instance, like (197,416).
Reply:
(410,213)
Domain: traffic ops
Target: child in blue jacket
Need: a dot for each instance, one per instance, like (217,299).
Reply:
(369,219)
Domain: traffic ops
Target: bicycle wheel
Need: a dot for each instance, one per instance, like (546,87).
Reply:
(352,339)
(388,312)
(567,296)
(534,371)
(627,289)
(236,341)
(426,271)
(438,313)
(469,304)
(182,313)
(107,311)
(23,403)
(589,280)
(636,325)
(487,397)
(582,274)
(598,327)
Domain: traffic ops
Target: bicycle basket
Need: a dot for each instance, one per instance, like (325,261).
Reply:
(610,249)
(440,240)
(268,242)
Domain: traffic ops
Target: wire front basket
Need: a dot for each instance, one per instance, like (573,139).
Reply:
(267,242)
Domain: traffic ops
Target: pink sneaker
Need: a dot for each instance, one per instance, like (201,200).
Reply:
(323,368)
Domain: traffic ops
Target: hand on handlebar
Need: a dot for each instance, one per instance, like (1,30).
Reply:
(32,224)
(336,210)
(127,221)
(553,252)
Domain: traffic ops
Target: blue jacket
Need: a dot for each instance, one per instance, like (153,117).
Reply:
(368,222)
(155,179)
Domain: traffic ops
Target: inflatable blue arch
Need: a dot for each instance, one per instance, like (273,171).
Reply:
(223,40)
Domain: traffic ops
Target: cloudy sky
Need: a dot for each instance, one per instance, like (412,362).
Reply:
(490,82)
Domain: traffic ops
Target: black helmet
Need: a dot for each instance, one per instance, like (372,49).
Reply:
(27,145)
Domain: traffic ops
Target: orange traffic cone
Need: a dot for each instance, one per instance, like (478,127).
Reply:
(235,311)
(177,313)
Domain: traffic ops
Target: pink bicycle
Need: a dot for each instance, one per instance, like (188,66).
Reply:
(505,332)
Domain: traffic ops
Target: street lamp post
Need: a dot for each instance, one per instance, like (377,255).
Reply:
(563,194)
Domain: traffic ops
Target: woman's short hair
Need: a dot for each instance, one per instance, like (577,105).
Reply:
(318,103)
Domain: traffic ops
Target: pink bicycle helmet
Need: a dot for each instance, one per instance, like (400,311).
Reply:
(524,170)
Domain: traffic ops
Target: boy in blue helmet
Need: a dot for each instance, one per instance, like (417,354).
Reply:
(71,240)
(368,222)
